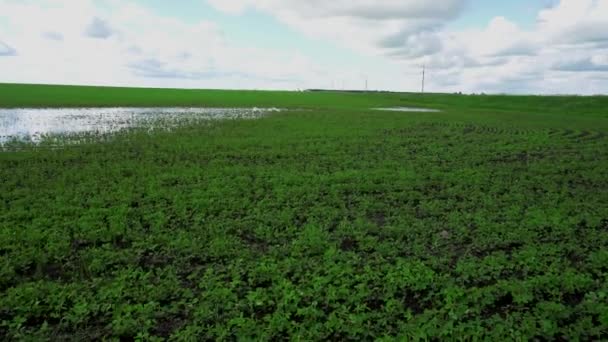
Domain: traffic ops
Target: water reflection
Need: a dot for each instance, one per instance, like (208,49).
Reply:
(33,124)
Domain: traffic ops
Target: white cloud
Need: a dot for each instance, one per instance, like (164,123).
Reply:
(575,22)
(6,50)
(563,52)
(53,35)
(502,38)
(122,42)
(414,32)
(594,63)
(363,25)
(98,28)
(371,9)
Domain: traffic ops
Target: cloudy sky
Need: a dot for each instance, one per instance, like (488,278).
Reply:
(516,46)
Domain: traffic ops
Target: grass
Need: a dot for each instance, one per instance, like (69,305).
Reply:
(487,220)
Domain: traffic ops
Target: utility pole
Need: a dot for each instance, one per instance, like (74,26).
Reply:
(366,88)
(423,76)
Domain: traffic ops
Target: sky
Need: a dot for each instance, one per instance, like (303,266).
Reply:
(472,46)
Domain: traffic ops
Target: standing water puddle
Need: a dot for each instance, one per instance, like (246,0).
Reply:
(34,124)
(409,109)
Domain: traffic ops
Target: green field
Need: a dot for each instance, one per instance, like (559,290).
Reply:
(327,222)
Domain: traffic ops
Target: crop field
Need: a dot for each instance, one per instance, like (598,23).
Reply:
(329,221)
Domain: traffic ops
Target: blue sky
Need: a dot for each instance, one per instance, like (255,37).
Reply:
(479,12)
(543,46)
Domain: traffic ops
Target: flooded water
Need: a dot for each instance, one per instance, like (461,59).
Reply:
(409,109)
(34,124)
